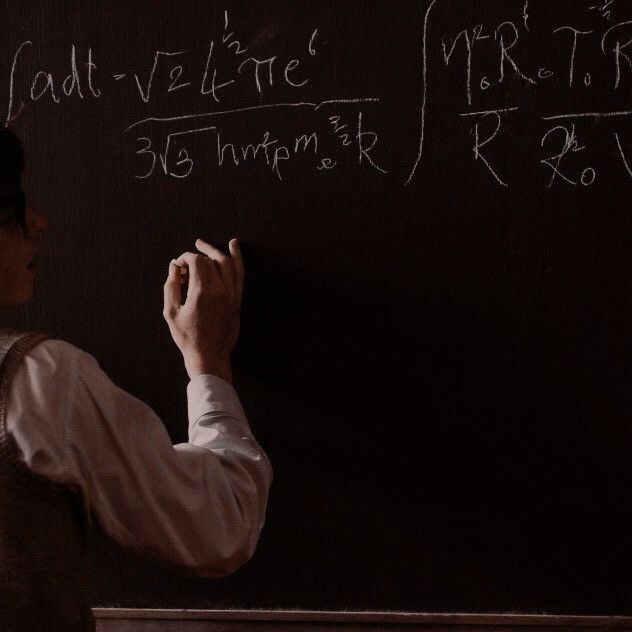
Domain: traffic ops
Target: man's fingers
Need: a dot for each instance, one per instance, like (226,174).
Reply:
(235,252)
(189,261)
(210,251)
(172,294)
(224,263)
(202,271)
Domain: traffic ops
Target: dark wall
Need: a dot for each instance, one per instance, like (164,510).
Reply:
(436,337)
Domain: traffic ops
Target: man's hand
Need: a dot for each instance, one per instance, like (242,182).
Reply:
(206,327)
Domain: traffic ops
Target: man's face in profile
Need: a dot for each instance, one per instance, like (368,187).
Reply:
(19,247)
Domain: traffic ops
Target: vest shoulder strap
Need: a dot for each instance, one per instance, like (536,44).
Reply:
(13,346)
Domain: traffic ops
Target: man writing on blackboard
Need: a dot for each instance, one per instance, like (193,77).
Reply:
(74,447)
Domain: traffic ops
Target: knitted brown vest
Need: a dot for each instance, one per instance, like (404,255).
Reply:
(43,565)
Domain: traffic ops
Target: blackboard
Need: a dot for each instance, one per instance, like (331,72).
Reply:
(433,199)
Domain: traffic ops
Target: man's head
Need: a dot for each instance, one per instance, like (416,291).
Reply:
(20,226)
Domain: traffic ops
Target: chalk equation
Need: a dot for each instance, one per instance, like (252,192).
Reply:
(588,52)
(209,80)
(170,154)
(268,149)
(489,56)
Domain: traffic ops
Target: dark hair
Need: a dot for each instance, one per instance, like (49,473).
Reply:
(12,203)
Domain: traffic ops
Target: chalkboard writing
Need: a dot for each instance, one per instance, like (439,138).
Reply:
(170,156)
(484,53)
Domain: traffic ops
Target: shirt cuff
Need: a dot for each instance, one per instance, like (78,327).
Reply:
(211,394)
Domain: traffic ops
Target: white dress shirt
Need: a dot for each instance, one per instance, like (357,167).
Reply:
(199,505)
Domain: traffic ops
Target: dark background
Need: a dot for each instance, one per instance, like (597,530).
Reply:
(439,372)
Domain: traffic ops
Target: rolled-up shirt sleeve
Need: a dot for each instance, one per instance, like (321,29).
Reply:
(199,505)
